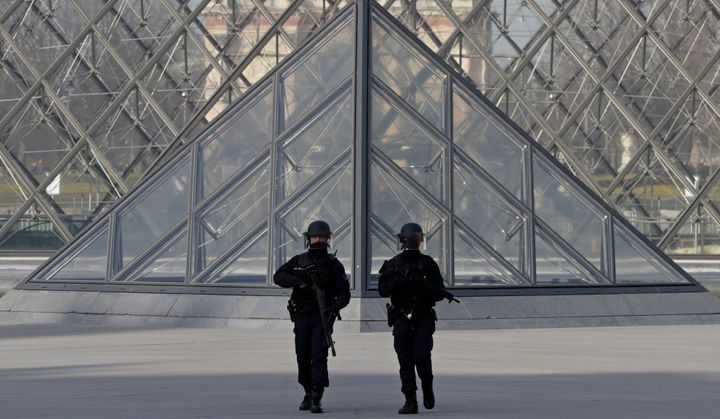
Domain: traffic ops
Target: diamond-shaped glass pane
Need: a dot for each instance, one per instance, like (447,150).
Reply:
(331,201)
(151,214)
(236,142)
(407,145)
(33,231)
(301,156)
(698,235)
(318,74)
(569,213)
(407,74)
(488,144)
(227,222)
(500,226)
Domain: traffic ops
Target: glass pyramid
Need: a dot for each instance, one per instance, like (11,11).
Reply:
(364,127)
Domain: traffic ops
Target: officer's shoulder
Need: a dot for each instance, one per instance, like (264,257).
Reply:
(428,258)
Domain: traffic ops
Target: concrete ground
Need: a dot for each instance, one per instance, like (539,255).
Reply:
(78,371)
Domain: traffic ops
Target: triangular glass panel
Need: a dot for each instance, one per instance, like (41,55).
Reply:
(89,264)
(147,216)
(426,19)
(319,73)
(248,268)
(309,16)
(569,213)
(169,265)
(633,266)
(470,58)
(240,139)
(32,231)
(268,58)
(411,77)
(383,247)
(233,217)
(473,268)
(497,223)
(489,145)
(552,268)
(303,154)
(698,235)
(410,147)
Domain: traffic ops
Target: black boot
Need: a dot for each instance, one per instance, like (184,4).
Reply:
(428,395)
(315,397)
(410,407)
(305,405)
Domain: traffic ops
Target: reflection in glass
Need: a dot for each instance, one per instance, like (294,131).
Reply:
(318,75)
(572,218)
(408,75)
(154,213)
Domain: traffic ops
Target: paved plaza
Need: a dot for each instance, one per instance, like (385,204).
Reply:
(84,371)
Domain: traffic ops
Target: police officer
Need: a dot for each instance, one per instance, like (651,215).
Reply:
(309,274)
(414,284)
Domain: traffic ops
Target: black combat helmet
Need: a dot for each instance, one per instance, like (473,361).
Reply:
(317,228)
(410,237)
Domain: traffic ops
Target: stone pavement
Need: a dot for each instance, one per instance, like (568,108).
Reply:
(79,371)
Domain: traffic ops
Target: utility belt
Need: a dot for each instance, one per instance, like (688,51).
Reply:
(406,312)
(294,309)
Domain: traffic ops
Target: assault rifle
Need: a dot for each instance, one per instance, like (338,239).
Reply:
(406,273)
(311,271)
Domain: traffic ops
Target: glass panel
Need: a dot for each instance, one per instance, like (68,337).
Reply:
(319,74)
(407,146)
(249,268)
(383,248)
(89,264)
(572,218)
(331,202)
(473,269)
(635,267)
(493,220)
(236,143)
(303,155)
(552,268)
(490,146)
(408,75)
(229,221)
(12,196)
(154,213)
(169,266)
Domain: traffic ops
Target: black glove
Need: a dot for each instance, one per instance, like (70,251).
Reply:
(303,282)
(448,296)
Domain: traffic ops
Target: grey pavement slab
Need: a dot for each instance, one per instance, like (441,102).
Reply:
(88,371)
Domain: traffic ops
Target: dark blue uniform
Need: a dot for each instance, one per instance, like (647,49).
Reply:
(310,346)
(414,284)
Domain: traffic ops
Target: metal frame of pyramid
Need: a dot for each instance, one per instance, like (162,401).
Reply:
(573,243)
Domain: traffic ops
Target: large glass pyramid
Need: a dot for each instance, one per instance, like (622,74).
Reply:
(365,127)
